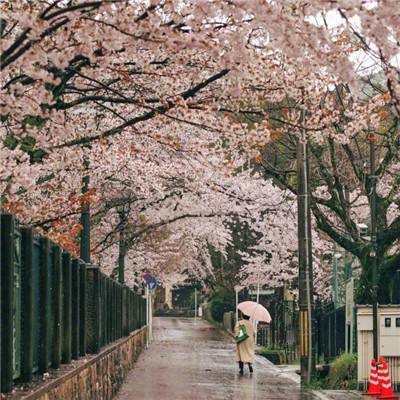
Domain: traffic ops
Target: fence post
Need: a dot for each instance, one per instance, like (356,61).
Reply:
(57,307)
(82,311)
(142,311)
(75,308)
(27,282)
(1,307)
(131,309)
(7,301)
(137,315)
(114,308)
(124,308)
(116,311)
(108,308)
(125,301)
(144,315)
(140,314)
(94,314)
(121,311)
(1,313)
(103,300)
(132,317)
(44,300)
(113,311)
(67,309)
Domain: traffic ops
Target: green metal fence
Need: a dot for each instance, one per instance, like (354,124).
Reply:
(54,307)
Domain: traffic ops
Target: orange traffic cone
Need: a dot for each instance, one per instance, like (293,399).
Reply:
(374,388)
(379,367)
(386,384)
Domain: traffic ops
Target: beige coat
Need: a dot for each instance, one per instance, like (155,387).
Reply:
(245,349)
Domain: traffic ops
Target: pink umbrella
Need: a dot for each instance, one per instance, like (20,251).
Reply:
(255,311)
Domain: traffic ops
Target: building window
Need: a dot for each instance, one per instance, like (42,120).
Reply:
(388,322)
(397,322)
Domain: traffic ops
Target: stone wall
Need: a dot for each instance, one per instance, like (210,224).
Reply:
(98,379)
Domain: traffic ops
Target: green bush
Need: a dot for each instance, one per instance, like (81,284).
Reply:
(277,357)
(220,304)
(280,354)
(342,373)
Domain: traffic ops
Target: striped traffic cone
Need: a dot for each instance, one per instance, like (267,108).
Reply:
(386,384)
(374,388)
(379,366)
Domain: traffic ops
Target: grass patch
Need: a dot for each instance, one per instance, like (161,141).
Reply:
(342,373)
(279,355)
(315,384)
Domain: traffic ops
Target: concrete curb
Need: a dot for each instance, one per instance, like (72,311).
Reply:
(336,394)
(282,371)
(319,395)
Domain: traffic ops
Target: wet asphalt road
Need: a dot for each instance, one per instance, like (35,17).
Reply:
(191,360)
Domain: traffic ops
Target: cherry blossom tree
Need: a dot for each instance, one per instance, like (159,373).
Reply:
(161,103)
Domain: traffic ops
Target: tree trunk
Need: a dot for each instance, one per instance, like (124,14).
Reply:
(387,267)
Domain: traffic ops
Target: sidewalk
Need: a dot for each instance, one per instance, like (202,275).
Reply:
(337,395)
(192,360)
(289,371)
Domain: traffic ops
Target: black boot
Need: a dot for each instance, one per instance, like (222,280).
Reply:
(240,367)
(250,368)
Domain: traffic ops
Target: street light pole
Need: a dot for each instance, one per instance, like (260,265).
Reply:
(374,246)
(255,322)
(307,350)
(237,288)
(195,302)
(85,219)
(122,247)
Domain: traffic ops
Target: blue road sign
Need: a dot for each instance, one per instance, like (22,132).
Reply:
(153,285)
(150,281)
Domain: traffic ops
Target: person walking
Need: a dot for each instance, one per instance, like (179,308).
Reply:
(245,346)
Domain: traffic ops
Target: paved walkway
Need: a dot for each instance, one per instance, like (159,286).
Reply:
(191,360)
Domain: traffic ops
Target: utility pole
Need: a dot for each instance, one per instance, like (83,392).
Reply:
(306,301)
(372,254)
(335,276)
(237,288)
(258,302)
(347,258)
(195,302)
(85,219)
(122,246)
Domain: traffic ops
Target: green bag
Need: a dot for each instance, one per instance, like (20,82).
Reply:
(243,335)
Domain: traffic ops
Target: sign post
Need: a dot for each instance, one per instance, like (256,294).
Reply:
(150,316)
(150,284)
(147,316)
(237,290)
(195,303)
